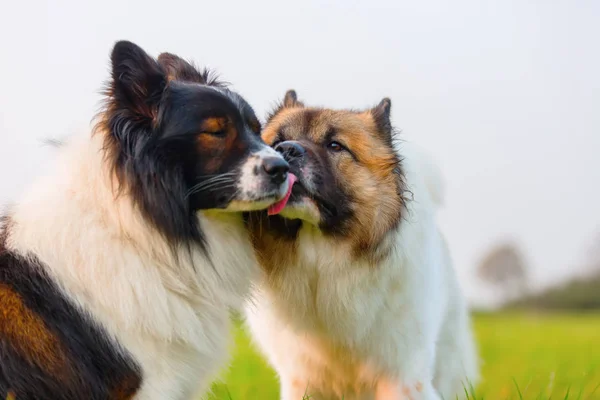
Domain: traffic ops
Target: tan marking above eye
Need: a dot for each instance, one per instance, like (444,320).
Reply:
(254,125)
(213,125)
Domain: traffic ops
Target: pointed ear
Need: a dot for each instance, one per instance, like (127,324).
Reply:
(137,80)
(381,115)
(179,69)
(290,100)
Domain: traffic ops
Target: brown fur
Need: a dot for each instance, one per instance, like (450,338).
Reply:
(217,146)
(273,240)
(371,175)
(213,125)
(30,336)
(126,389)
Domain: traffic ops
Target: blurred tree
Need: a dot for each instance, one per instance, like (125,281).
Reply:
(594,256)
(579,293)
(504,268)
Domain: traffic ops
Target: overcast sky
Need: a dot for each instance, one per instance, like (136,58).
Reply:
(504,94)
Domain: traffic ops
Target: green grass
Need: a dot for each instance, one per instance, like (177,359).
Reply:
(545,356)
(523,357)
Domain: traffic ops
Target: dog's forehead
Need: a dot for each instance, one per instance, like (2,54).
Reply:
(236,99)
(188,92)
(317,123)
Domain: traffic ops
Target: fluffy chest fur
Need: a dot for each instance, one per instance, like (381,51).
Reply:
(334,325)
(327,291)
(168,309)
(355,319)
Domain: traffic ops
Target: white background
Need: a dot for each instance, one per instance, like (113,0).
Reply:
(505,94)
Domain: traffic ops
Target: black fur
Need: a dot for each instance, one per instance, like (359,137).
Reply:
(167,129)
(98,368)
(331,199)
(179,69)
(282,228)
(152,126)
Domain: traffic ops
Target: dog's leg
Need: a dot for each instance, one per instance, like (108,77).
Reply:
(394,389)
(386,389)
(294,389)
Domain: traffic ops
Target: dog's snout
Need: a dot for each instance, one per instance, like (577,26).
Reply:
(277,168)
(290,149)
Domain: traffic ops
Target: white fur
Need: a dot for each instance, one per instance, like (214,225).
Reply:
(250,184)
(171,313)
(345,329)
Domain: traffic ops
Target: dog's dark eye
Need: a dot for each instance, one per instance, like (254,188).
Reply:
(335,146)
(219,133)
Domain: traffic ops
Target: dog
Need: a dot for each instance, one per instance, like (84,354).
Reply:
(358,298)
(119,268)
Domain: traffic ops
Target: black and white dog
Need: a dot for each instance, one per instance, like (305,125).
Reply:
(118,268)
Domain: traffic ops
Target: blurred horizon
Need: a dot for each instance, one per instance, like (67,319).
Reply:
(504,96)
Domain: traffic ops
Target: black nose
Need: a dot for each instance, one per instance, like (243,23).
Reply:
(277,168)
(290,149)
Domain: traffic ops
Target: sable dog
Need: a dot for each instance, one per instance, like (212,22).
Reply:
(358,299)
(118,269)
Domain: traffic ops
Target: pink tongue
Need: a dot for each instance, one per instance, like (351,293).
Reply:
(277,207)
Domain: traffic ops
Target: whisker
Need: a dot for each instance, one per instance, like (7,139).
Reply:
(222,178)
(215,175)
(210,188)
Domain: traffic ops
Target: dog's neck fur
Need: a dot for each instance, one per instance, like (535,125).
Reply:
(299,269)
(116,264)
(293,242)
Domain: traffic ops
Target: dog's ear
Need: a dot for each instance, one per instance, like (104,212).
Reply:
(382,116)
(290,100)
(137,81)
(179,69)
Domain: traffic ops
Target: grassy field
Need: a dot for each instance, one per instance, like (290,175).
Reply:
(523,356)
